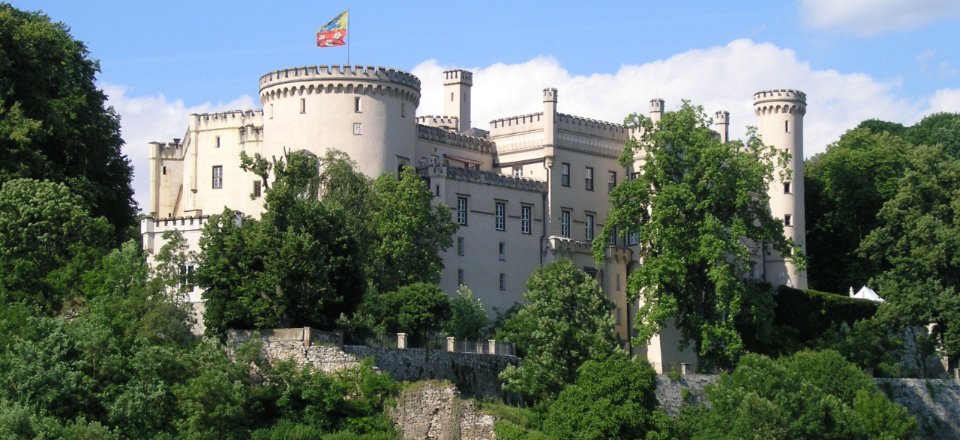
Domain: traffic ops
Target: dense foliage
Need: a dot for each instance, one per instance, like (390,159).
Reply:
(695,206)
(468,320)
(48,240)
(564,322)
(53,121)
(612,398)
(809,395)
(417,309)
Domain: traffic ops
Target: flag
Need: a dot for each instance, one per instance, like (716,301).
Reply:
(333,33)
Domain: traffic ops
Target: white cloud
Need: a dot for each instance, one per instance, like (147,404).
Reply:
(945,100)
(145,119)
(719,78)
(870,17)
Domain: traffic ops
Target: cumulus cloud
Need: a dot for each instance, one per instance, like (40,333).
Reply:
(719,78)
(870,17)
(145,119)
(945,100)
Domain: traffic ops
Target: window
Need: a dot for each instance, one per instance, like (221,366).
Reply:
(303,105)
(451,96)
(564,223)
(612,181)
(356,104)
(786,126)
(500,214)
(517,171)
(164,170)
(786,187)
(588,179)
(357,128)
(786,219)
(462,211)
(218,141)
(613,237)
(634,176)
(460,277)
(525,219)
(633,239)
(503,281)
(217,176)
(460,246)
(403,110)
(588,227)
(502,251)
(618,282)
(187,277)
(257,190)
(271,111)
(565,174)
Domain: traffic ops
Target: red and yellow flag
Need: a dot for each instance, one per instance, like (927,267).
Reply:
(333,33)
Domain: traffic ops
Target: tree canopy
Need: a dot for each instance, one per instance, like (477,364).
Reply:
(53,121)
(698,207)
(564,322)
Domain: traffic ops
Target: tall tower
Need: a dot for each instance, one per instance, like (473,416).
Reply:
(722,123)
(780,123)
(456,99)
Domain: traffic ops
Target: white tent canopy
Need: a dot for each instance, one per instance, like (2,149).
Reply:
(866,293)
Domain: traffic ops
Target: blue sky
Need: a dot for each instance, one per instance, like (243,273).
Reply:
(856,59)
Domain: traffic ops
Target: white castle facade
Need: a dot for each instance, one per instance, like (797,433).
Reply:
(526,191)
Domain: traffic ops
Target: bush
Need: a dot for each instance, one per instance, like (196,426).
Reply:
(467,318)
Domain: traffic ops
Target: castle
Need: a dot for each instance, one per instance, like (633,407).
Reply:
(528,190)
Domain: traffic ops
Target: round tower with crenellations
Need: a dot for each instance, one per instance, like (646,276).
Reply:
(367,112)
(780,124)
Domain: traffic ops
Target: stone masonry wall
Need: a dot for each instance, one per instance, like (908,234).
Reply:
(434,410)
(473,374)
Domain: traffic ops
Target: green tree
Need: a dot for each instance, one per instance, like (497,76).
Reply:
(565,321)
(48,240)
(416,309)
(809,395)
(696,205)
(846,187)
(411,232)
(53,121)
(613,398)
(298,265)
(467,318)
(916,245)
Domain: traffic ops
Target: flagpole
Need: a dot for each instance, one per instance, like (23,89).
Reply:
(349,37)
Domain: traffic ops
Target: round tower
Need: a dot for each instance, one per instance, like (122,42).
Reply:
(780,124)
(367,112)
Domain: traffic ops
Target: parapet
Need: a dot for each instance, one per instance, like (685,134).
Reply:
(158,226)
(516,120)
(168,150)
(450,122)
(722,117)
(227,119)
(338,72)
(550,95)
(590,126)
(458,76)
(460,140)
(657,105)
(780,101)
(485,177)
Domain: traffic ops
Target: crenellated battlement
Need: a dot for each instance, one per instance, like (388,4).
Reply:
(227,119)
(589,126)
(439,121)
(516,120)
(460,140)
(485,177)
(169,150)
(339,73)
(160,225)
(721,117)
(779,101)
(458,76)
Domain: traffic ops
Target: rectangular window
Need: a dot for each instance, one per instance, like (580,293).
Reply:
(588,179)
(633,239)
(218,141)
(503,281)
(565,174)
(217,176)
(613,237)
(525,219)
(786,126)
(565,223)
(787,219)
(460,277)
(502,251)
(257,190)
(634,176)
(187,277)
(786,187)
(460,246)
(588,227)
(462,211)
(356,104)
(271,111)
(612,181)
(357,128)
(618,282)
(500,216)
(164,171)
(303,105)
(403,110)
(517,171)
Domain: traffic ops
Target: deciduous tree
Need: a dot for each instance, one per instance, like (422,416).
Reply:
(698,206)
